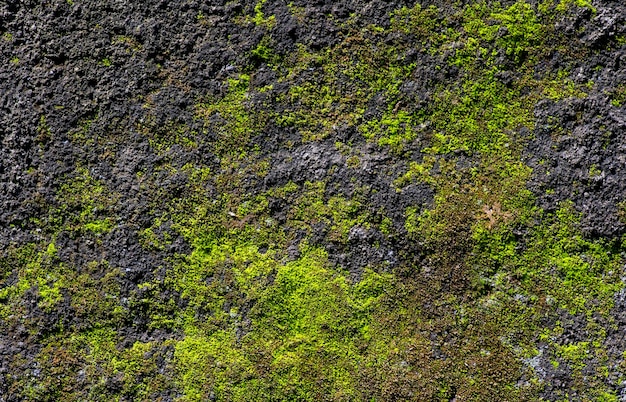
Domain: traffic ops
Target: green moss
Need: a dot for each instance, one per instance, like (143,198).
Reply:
(163,137)
(412,223)
(94,358)
(51,251)
(38,270)
(303,320)
(259,17)
(99,226)
(43,130)
(238,271)
(607,397)
(343,86)
(564,5)
(82,201)
(208,364)
(257,323)
(574,354)
(230,117)
(263,53)
(80,135)
(258,312)
(150,240)
(386,226)
(618,96)
(131,43)
(394,129)
(416,21)
(594,171)
(337,213)
(561,87)
(556,270)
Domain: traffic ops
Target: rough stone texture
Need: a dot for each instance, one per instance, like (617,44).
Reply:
(123,66)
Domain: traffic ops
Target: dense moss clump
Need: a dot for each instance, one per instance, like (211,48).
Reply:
(349,218)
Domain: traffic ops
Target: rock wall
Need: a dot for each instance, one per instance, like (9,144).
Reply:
(327,200)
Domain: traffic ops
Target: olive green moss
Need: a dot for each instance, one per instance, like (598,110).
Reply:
(37,266)
(80,353)
(258,311)
(231,118)
(478,281)
(308,323)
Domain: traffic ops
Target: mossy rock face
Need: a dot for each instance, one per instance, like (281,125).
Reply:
(342,201)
